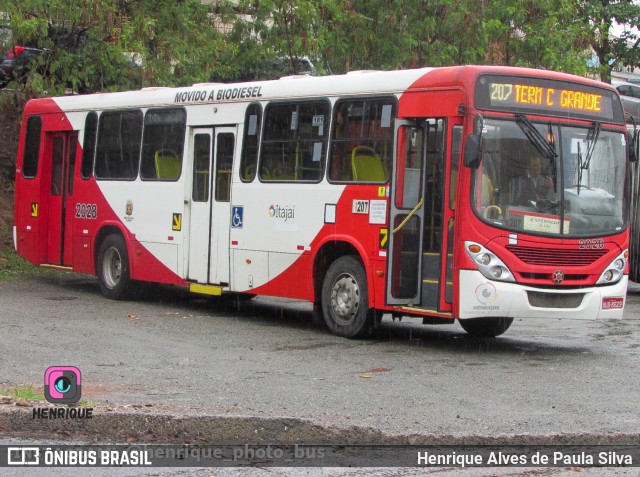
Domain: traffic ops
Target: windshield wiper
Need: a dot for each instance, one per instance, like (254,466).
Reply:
(580,167)
(592,144)
(538,140)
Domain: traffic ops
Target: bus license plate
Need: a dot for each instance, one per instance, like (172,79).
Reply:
(613,303)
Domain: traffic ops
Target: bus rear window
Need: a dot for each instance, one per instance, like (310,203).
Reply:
(32,147)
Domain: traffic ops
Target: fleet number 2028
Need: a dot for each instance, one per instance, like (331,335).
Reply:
(86,211)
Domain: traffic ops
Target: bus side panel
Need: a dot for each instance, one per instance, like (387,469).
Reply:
(152,215)
(153,262)
(146,225)
(365,233)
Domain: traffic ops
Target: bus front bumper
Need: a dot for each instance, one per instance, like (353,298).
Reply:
(482,297)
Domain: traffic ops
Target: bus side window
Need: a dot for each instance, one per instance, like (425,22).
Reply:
(32,147)
(118,151)
(89,144)
(294,141)
(250,143)
(162,144)
(362,140)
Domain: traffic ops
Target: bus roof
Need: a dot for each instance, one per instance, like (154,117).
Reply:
(353,83)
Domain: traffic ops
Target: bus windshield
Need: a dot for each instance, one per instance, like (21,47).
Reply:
(550,179)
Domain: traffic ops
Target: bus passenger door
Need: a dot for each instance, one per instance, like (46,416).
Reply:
(223,165)
(404,260)
(61,210)
(418,252)
(211,155)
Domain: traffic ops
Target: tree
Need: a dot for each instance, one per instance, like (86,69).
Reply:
(92,45)
(538,34)
(611,51)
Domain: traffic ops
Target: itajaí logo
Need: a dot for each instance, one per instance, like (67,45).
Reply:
(278,212)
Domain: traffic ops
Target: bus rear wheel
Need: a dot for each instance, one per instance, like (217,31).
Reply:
(486,327)
(345,298)
(113,268)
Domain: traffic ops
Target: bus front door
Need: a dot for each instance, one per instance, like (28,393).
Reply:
(62,149)
(211,154)
(418,235)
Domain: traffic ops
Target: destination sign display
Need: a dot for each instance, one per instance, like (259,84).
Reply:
(551,97)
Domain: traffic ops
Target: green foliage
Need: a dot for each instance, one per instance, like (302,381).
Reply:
(187,41)
(91,45)
(612,52)
(23,392)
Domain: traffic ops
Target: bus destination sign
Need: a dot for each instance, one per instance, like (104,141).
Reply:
(544,96)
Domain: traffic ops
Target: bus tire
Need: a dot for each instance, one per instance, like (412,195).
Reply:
(113,268)
(345,298)
(486,327)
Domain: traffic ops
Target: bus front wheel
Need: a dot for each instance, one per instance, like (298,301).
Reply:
(345,298)
(486,327)
(113,268)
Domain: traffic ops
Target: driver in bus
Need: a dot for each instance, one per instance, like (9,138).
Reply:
(533,185)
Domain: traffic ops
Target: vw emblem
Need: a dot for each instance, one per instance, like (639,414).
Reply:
(558,276)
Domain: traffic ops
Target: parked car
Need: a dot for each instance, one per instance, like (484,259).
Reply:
(20,60)
(630,95)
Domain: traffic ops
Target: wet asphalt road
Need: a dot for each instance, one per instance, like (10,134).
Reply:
(263,358)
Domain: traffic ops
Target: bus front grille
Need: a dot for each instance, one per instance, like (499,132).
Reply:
(555,257)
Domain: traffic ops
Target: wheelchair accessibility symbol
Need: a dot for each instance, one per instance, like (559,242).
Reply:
(236,216)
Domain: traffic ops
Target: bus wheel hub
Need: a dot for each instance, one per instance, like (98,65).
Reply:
(345,298)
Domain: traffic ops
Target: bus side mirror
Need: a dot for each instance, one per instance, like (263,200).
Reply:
(632,140)
(472,151)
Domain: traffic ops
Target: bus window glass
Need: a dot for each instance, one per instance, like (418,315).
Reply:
(201,167)
(580,192)
(73,145)
(294,143)
(163,141)
(250,143)
(57,150)
(118,151)
(362,140)
(224,165)
(456,141)
(89,144)
(32,147)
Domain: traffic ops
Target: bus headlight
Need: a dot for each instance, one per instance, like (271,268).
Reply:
(488,263)
(615,270)
(483,259)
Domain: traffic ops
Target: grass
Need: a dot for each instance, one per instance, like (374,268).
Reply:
(23,392)
(12,266)
(29,393)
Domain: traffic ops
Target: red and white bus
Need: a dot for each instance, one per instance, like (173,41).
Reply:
(367,193)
